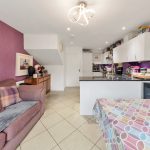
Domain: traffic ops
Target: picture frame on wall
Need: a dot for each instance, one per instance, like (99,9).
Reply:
(23,61)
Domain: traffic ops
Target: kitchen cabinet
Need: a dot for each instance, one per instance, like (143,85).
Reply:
(44,81)
(104,56)
(121,53)
(117,54)
(137,49)
(97,58)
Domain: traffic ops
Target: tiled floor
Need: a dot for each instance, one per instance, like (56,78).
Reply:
(62,128)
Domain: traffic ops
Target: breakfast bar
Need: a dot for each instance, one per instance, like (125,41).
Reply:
(93,88)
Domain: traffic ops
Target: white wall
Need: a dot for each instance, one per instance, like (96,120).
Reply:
(73,63)
(66,75)
(47,49)
(40,41)
(57,77)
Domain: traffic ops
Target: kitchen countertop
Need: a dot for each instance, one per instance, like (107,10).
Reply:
(112,78)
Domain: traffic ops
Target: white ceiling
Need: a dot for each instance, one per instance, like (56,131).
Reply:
(50,16)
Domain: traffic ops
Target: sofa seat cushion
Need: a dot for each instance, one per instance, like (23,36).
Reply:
(2,139)
(16,116)
(23,119)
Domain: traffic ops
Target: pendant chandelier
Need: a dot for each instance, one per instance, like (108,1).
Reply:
(80,14)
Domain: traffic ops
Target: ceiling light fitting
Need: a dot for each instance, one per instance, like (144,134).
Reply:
(68,29)
(123,28)
(80,14)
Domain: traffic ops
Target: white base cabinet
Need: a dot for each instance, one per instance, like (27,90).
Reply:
(90,91)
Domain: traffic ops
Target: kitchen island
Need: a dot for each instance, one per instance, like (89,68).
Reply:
(92,88)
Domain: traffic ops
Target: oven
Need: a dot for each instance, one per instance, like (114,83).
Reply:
(146,90)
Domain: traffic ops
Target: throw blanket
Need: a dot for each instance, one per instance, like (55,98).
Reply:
(125,123)
(12,112)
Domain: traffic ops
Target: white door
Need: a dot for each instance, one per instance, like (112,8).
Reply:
(73,63)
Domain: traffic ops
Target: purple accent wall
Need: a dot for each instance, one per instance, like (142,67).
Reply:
(11,42)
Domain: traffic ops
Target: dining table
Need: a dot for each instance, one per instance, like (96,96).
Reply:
(125,123)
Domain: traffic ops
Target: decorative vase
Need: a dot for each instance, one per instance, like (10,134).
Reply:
(31,71)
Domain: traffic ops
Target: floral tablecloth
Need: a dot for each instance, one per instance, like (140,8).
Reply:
(125,123)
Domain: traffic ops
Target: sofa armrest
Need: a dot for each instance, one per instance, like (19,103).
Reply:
(2,139)
(32,92)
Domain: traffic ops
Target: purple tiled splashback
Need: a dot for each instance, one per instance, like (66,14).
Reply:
(11,42)
(145,64)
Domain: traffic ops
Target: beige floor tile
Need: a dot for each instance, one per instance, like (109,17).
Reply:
(76,141)
(61,130)
(101,143)
(96,148)
(48,112)
(49,104)
(76,107)
(51,120)
(18,148)
(41,142)
(76,120)
(37,129)
(56,148)
(66,112)
(91,131)
(58,106)
(68,102)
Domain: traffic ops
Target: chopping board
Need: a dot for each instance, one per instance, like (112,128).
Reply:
(140,76)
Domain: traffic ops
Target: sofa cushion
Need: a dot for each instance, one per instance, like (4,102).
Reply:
(34,92)
(9,95)
(24,117)
(2,139)
(12,112)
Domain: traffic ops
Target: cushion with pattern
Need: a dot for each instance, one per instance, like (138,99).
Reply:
(9,95)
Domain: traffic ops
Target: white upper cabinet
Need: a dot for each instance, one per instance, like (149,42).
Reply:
(120,53)
(147,46)
(97,58)
(137,49)
(104,56)
(117,54)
